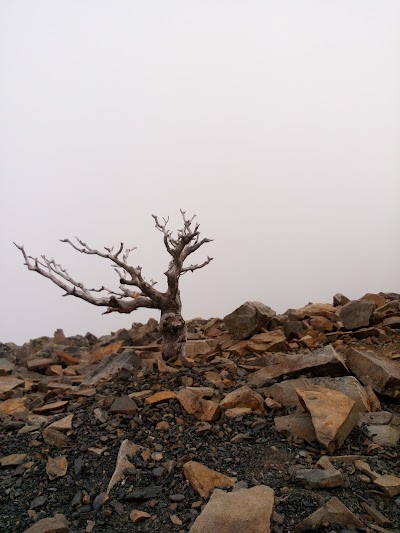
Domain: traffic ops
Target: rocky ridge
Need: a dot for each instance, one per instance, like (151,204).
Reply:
(281,423)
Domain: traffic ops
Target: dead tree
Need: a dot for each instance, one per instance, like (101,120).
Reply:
(125,300)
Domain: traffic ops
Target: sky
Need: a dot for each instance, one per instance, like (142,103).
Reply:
(276,123)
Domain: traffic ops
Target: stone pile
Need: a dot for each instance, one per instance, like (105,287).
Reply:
(270,423)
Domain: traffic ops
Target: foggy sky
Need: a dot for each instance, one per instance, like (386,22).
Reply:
(277,123)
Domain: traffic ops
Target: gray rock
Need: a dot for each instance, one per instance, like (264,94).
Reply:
(248,319)
(356,314)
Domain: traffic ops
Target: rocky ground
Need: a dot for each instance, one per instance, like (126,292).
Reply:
(295,417)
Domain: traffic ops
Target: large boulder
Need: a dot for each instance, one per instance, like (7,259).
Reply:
(248,319)
(382,374)
(241,511)
(356,313)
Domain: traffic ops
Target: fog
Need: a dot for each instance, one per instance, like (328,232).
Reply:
(276,123)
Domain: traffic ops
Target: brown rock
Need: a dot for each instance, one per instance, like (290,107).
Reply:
(14,459)
(202,347)
(298,425)
(284,392)
(248,319)
(325,310)
(51,407)
(8,383)
(333,512)
(100,353)
(54,370)
(64,424)
(382,374)
(340,299)
(14,407)
(39,363)
(324,361)
(243,397)
(68,359)
(377,299)
(203,480)
(356,314)
(237,411)
(138,516)
(49,525)
(55,438)
(201,409)
(333,414)
(124,405)
(158,397)
(242,511)
(56,467)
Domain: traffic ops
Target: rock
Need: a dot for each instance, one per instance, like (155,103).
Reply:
(324,361)
(124,405)
(333,512)
(58,524)
(248,319)
(64,424)
(55,438)
(51,407)
(14,459)
(147,493)
(377,299)
(376,515)
(203,347)
(14,407)
(293,329)
(8,383)
(241,511)
(203,480)
(319,479)
(6,366)
(297,425)
(201,409)
(356,314)
(382,374)
(127,450)
(325,310)
(392,322)
(158,397)
(138,516)
(333,414)
(237,411)
(388,483)
(384,435)
(56,467)
(40,363)
(340,299)
(284,392)
(243,397)
(269,341)
(110,366)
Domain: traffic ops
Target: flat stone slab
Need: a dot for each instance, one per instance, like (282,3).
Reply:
(381,373)
(322,362)
(241,511)
(8,383)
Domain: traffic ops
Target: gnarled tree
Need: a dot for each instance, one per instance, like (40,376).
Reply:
(126,300)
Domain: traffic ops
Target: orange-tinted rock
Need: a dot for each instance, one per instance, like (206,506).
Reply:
(204,480)
(14,407)
(333,512)
(138,516)
(39,363)
(8,383)
(64,424)
(241,511)
(49,525)
(51,407)
(56,467)
(201,409)
(162,396)
(100,353)
(243,397)
(333,414)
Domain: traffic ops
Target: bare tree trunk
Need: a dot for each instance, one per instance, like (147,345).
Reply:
(173,331)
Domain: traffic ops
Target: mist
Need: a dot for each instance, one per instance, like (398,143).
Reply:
(276,123)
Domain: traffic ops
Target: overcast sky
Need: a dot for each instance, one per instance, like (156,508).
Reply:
(277,123)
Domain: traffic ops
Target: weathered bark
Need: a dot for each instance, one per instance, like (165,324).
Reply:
(173,330)
(125,300)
